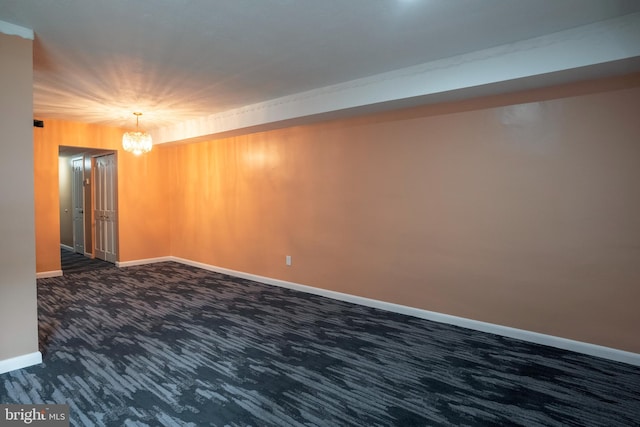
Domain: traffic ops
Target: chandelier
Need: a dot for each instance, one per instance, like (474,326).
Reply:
(137,142)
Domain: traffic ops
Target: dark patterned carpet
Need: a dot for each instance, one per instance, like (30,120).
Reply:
(73,262)
(172,345)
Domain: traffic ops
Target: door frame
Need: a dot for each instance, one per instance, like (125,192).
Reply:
(88,155)
(74,195)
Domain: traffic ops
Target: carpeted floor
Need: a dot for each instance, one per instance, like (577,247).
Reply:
(172,345)
(73,262)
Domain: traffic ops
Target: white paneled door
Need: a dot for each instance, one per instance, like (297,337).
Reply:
(105,208)
(77,199)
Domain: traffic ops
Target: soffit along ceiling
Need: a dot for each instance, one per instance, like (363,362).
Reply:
(178,61)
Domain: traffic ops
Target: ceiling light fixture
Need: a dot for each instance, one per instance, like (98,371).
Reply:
(137,142)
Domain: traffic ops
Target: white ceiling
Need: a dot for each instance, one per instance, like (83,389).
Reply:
(98,61)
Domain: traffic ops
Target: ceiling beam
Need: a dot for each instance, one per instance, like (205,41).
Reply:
(16,30)
(610,46)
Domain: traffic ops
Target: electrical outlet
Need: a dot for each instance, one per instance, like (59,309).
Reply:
(287,260)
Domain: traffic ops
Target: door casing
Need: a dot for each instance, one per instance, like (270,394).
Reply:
(77,201)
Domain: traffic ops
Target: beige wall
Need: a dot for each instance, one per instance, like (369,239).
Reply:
(18,306)
(142,189)
(66,207)
(521,210)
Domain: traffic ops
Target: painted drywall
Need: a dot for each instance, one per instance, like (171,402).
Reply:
(143,197)
(18,306)
(520,210)
(66,206)
(142,192)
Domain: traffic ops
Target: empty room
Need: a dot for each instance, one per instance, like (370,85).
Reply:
(320,213)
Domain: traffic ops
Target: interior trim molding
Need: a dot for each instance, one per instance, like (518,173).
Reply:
(506,331)
(67,247)
(122,264)
(20,362)
(47,274)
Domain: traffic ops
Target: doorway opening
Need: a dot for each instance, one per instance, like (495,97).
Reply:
(88,208)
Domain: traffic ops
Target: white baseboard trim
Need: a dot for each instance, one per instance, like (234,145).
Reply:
(20,362)
(47,274)
(69,248)
(121,264)
(506,331)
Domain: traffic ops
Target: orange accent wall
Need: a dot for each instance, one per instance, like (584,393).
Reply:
(521,210)
(143,197)
(142,191)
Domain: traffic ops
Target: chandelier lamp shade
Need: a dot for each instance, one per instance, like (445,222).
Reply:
(138,142)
